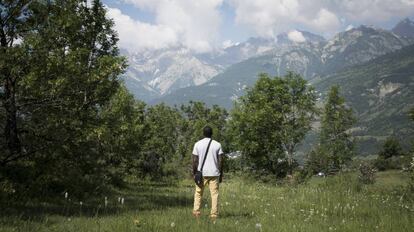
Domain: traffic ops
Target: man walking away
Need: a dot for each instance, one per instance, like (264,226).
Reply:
(212,170)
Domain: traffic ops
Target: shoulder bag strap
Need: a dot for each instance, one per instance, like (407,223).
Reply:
(205,156)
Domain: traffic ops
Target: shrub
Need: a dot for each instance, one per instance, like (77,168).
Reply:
(411,170)
(390,148)
(381,164)
(366,173)
(319,160)
(391,156)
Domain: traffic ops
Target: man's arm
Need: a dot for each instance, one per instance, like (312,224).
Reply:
(220,164)
(195,163)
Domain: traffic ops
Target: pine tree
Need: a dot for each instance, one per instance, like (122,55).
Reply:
(335,140)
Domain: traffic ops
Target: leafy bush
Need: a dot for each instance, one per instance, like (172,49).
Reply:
(381,164)
(411,170)
(391,148)
(391,156)
(366,173)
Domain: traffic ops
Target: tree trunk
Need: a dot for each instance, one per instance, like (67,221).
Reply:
(11,131)
(9,104)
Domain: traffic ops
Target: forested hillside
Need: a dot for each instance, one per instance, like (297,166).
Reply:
(382,93)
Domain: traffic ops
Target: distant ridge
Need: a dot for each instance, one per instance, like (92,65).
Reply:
(404,28)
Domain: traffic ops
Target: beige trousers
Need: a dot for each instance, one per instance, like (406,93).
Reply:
(213,183)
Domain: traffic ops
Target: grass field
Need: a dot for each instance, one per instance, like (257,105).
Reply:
(324,204)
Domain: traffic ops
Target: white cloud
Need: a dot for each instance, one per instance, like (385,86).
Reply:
(325,21)
(368,11)
(296,36)
(271,17)
(266,17)
(195,23)
(135,35)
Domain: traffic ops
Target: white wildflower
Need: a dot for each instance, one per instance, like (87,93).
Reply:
(172,224)
(66,195)
(259,226)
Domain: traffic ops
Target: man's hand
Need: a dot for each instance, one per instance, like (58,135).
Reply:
(221,178)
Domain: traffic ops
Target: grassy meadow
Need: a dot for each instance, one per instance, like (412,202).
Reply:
(337,203)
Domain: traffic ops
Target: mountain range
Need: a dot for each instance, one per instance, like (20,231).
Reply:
(154,74)
(374,68)
(310,59)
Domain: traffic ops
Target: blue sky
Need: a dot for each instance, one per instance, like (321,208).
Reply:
(205,25)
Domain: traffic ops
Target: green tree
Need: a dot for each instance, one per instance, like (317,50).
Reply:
(271,120)
(199,115)
(390,155)
(56,82)
(120,136)
(298,117)
(15,20)
(163,134)
(335,140)
(390,148)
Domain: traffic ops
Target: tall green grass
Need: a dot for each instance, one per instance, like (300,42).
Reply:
(337,203)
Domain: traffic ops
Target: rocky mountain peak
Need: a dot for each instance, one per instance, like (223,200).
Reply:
(404,28)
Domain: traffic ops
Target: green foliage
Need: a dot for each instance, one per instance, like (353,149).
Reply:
(60,79)
(411,170)
(336,143)
(270,121)
(390,148)
(162,139)
(391,155)
(412,114)
(317,161)
(121,134)
(411,163)
(161,143)
(366,173)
